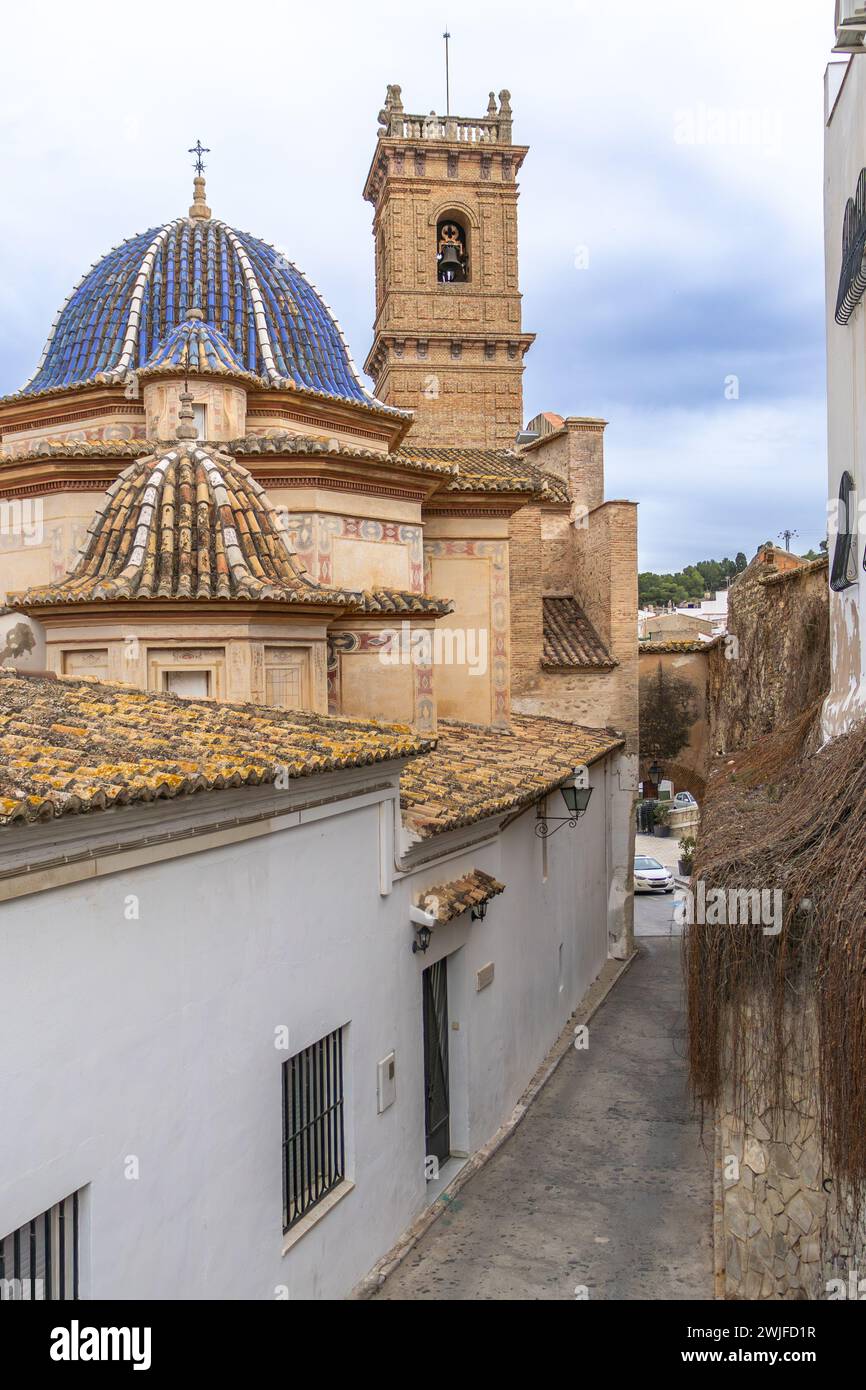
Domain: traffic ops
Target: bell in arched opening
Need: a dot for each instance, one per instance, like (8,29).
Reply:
(451,253)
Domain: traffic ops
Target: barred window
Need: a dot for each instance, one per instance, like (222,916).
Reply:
(843,573)
(314,1159)
(39,1261)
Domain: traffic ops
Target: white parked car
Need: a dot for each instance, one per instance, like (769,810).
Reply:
(684,799)
(650,876)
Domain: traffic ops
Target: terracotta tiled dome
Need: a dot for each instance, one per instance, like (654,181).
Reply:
(190,523)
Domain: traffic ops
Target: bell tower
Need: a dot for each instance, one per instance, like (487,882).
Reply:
(448,340)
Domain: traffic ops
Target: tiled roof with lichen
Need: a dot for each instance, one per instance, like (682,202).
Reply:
(72,746)
(491,470)
(77,449)
(476,772)
(448,900)
(570,640)
(192,523)
(685,644)
(303,446)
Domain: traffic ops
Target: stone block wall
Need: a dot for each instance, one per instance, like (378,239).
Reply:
(774,1211)
(780,662)
(779,1231)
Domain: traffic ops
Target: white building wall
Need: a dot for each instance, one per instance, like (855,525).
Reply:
(845,157)
(153,1039)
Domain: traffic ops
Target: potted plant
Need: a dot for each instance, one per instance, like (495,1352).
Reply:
(662,827)
(687,856)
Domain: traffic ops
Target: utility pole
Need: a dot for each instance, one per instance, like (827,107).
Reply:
(787,537)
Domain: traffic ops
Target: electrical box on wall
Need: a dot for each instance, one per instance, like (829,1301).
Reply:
(386,1088)
(484,977)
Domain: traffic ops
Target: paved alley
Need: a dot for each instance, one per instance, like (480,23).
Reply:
(604,1186)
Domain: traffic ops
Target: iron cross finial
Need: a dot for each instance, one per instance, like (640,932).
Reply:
(198,149)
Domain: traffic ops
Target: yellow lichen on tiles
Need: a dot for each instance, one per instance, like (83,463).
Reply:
(475,773)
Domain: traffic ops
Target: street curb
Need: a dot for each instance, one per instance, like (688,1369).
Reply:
(611,973)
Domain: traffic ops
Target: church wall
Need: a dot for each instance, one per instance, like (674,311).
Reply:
(40,536)
(226,407)
(557,552)
(121,421)
(596,561)
(527,588)
(259,661)
(154,1037)
(356,552)
(22,642)
(267,420)
(472,672)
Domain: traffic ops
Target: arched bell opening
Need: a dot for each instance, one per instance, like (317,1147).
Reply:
(452,251)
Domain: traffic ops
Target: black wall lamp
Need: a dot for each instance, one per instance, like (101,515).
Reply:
(423,922)
(576,799)
(479,913)
(422,942)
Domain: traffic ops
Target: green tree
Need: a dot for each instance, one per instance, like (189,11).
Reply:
(668,709)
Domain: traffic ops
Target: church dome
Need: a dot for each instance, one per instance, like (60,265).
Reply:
(195,347)
(275,325)
(192,523)
(182,524)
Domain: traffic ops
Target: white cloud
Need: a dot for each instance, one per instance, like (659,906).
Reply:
(722,237)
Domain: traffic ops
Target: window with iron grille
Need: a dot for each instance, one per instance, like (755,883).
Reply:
(314,1157)
(40,1260)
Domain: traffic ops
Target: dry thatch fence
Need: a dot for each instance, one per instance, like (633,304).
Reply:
(764,1010)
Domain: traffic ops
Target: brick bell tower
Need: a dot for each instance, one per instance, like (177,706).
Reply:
(448,342)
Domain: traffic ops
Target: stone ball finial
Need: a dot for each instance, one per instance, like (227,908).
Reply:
(505,102)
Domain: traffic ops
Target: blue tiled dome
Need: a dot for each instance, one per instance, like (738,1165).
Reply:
(123,314)
(195,346)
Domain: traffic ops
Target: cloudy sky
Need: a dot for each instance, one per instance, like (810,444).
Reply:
(671,242)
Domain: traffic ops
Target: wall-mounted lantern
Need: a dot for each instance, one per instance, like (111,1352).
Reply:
(656,772)
(479,913)
(576,798)
(423,922)
(422,942)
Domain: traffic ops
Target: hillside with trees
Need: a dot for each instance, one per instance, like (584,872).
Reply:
(690,584)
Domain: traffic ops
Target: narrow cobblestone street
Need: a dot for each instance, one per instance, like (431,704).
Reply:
(605,1184)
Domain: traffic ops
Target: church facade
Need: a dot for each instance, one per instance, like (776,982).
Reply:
(318,734)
